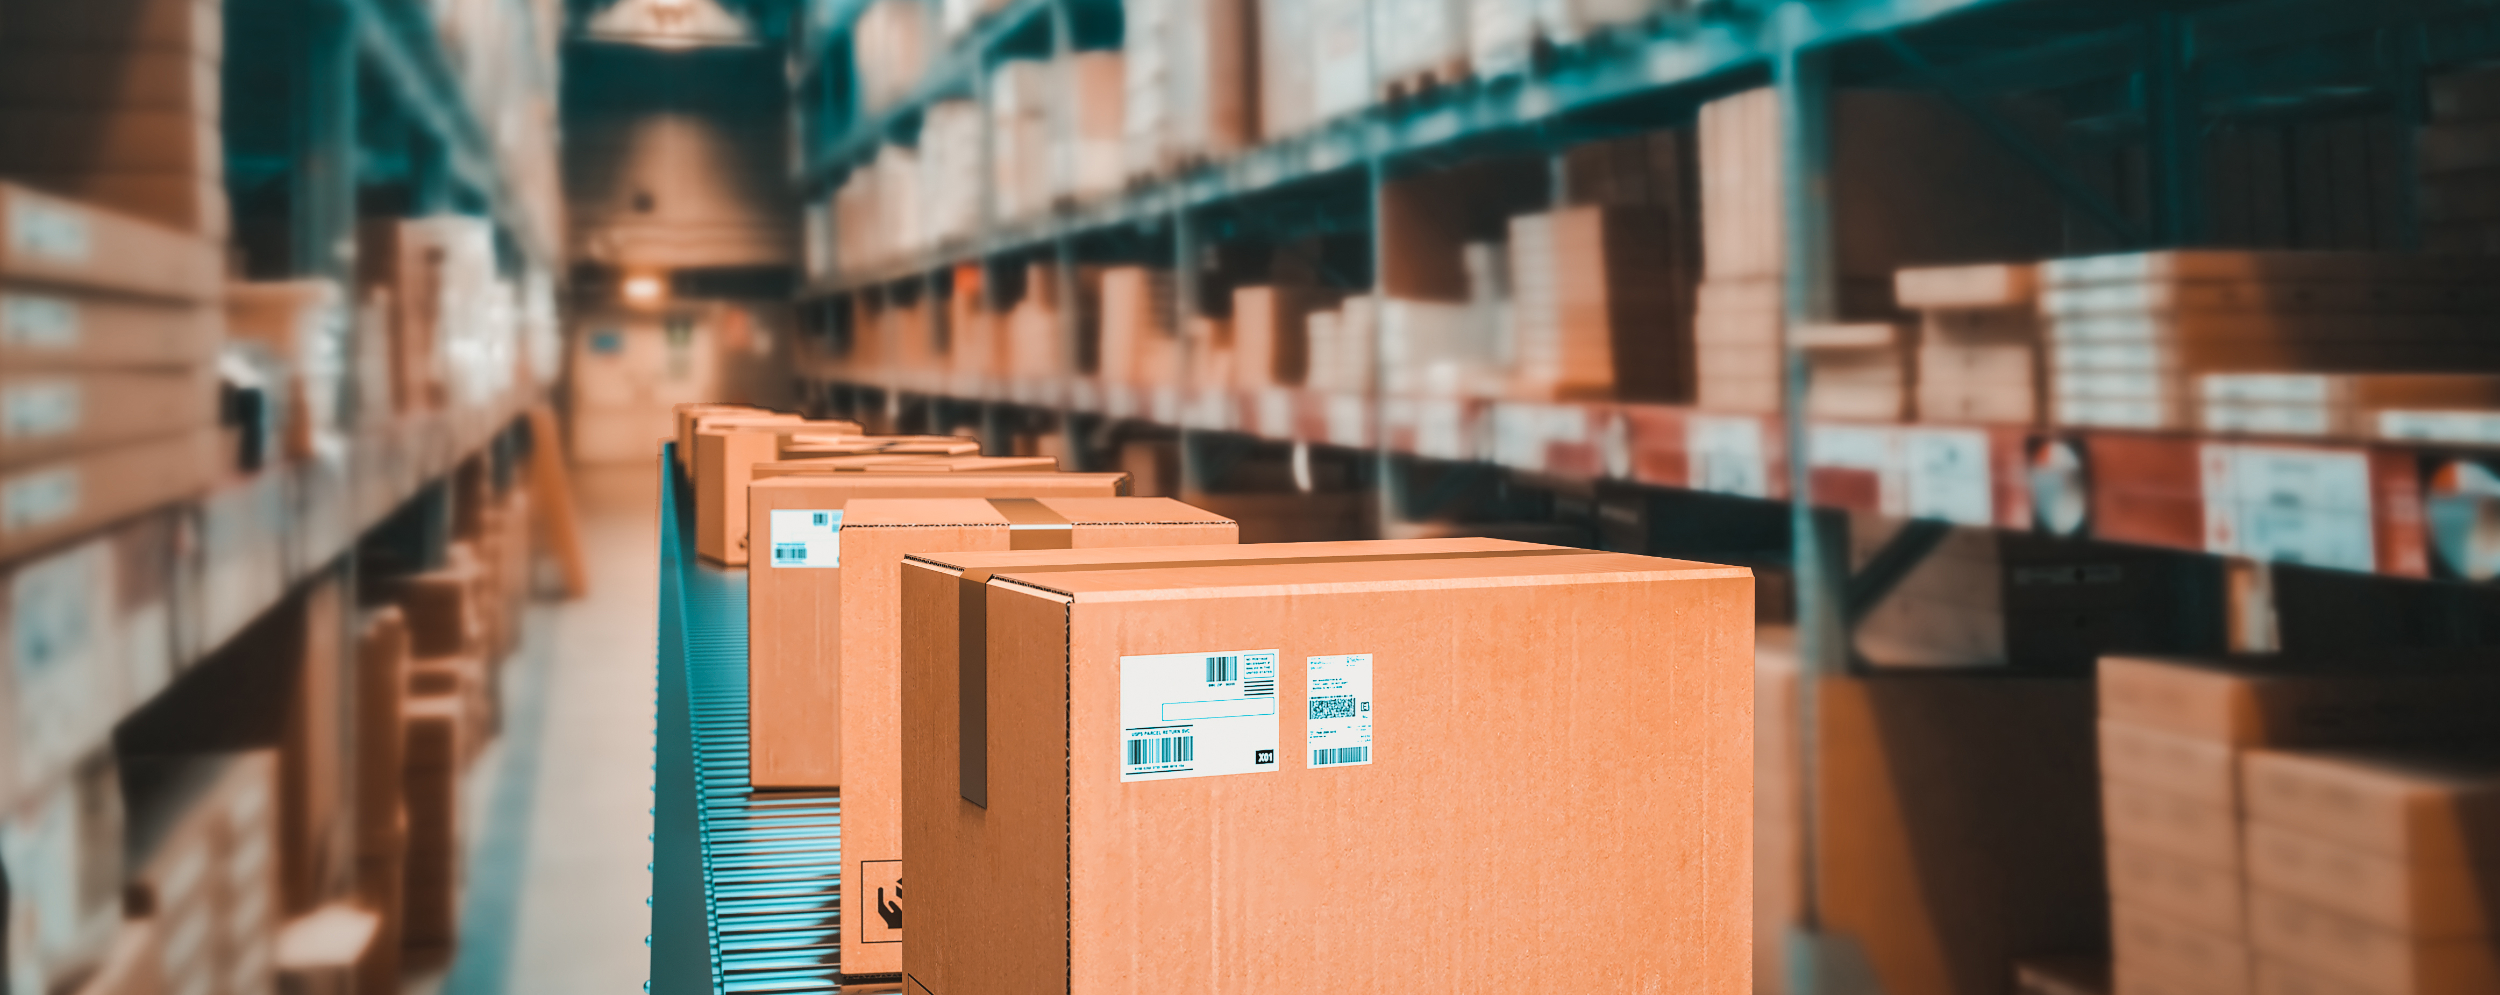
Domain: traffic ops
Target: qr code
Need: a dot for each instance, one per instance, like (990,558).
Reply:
(1333,708)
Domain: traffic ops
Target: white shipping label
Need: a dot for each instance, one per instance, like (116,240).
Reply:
(38,499)
(1341,710)
(56,233)
(34,409)
(1727,455)
(1197,714)
(1949,476)
(29,321)
(806,537)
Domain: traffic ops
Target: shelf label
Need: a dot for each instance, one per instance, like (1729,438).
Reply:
(55,233)
(2288,504)
(38,499)
(1726,455)
(1197,714)
(1948,477)
(806,537)
(1340,731)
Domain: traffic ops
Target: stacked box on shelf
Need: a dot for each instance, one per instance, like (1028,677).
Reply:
(116,103)
(1340,345)
(2174,735)
(2373,870)
(895,40)
(1138,344)
(1913,182)
(1024,168)
(1422,45)
(2346,405)
(304,324)
(1597,309)
(1503,35)
(109,327)
(1190,90)
(951,185)
(865,717)
(2130,333)
(1980,356)
(449,338)
(63,845)
(1269,341)
(1860,371)
(432,729)
(206,843)
(972,345)
(1338,62)
(381,834)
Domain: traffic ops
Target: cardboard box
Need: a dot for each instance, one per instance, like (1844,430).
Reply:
(804,443)
(2172,956)
(441,610)
(2285,705)
(2369,955)
(2183,826)
(2202,769)
(2418,897)
(1242,867)
(43,503)
(906,463)
(45,328)
(2189,891)
(792,596)
(2418,807)
(324,952)
(381,687)
(726,462)
(2277,977)
(52,241)
(186,200)
(192,27)
(49,415)
(866,658)
(430,778)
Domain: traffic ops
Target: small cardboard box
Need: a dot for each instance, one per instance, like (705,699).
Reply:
(50,414)
(46,502)
(876,534)
(729,459)
(1163,777)
(2417,807)
(794,592)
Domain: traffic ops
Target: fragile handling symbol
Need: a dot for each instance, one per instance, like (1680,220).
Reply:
(891,912)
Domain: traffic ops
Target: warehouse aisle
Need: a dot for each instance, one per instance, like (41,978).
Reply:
(578,800)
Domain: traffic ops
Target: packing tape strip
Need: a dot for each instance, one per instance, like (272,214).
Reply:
(1032,525)
(972,629)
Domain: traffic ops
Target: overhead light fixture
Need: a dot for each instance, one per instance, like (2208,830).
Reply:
(645,290)
(671,24)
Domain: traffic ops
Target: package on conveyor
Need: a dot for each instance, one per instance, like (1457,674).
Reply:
(2129,334)
(2176,736)
(727,457)
(798,574)
(1980,354)
(862,667)
(109,334)
(1113,760)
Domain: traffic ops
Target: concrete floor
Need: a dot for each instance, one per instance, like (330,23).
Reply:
(560,815)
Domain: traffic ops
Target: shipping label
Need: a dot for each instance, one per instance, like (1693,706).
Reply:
(806,537)
(35,409)
(29,321)
(1341,710)
(1197,714)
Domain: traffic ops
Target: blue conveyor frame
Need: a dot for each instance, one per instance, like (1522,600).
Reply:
(745,887)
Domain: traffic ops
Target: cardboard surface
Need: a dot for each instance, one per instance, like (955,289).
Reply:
(44,328)
(46,415)
(2173,956)
(876,534)
(2418,897)
(53,241)
(2193,892)
(2244,705)
(2365,954)
(730,453)
(1628,872)
(2180,825)
(46,502)
(793,612)
(2203,769)
(2418,807)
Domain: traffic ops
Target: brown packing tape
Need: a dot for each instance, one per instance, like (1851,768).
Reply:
(1032,525)
(972,628)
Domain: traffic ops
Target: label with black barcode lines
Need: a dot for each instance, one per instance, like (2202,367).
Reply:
(1198,714)
(1340,730)
(804,537)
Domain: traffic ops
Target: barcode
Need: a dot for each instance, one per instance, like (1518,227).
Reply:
(1162,750)
(1333,708)
(789,551)
(1223,669)
(820,518)
(1341,755)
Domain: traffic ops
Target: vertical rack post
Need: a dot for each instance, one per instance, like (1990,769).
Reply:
(1184,308)
(2172,124)
(1386,482)
(1803,90)
(324,139)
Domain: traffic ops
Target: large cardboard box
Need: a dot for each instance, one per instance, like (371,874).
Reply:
(45,502)
(43,328)
(53,414)
(50,240)
(793,593)
(1176,786)
(866,656)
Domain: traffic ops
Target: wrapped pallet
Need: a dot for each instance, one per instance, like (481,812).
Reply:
(1341,57)
(895,42)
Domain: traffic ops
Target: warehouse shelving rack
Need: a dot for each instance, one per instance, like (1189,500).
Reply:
(2158,71)
(746,887)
